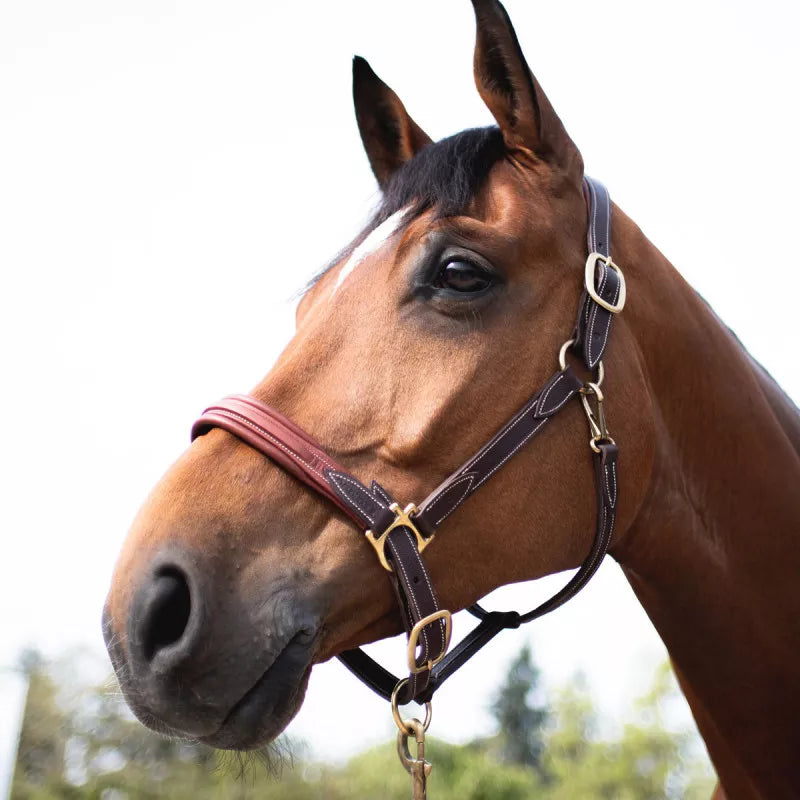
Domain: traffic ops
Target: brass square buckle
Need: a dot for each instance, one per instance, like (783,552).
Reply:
(402,519)
(588,278)
(413,638)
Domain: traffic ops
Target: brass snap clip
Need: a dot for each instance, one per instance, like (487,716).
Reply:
(597,420)
(417,767)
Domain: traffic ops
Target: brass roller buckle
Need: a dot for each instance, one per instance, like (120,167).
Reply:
(413,639)
(591,264)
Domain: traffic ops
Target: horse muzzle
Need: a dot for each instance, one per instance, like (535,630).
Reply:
(227,666)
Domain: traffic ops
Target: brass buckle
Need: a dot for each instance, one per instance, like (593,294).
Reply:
(402,519)
(413,638)
(591,264)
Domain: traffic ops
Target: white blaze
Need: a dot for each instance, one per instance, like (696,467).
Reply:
(372,243)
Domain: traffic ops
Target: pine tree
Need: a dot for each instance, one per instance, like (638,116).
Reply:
(40,756)
(519,715)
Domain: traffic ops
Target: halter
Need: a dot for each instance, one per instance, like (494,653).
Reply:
(400,534)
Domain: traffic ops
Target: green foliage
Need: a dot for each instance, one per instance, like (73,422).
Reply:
(647,762)
(93,749)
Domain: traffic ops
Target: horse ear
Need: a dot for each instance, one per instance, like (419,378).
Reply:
(389,134)
(511,92)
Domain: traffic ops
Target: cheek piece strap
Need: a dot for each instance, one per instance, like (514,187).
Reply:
(399,535)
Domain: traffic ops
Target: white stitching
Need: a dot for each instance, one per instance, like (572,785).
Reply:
(608,321)
(595,309)
(411,590)
(524,441)
(446,488)
(336,477)
(378,490)
(440,494)
(543,401)
(430,588)
(457,503)
(267,435)
(501,435)
(608,488)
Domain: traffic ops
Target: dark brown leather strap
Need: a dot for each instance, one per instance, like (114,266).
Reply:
(276,436)
(593,323)
(508,441)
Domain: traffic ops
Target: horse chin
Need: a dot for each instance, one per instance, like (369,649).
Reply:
(267,707)
(262,707)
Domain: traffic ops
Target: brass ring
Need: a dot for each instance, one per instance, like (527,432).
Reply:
(593,442)
(592,388)
(403,725)
(562,354)
(562,361)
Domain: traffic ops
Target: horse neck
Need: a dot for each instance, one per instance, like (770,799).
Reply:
(714,552)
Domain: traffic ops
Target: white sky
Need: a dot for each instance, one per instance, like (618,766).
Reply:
(171,172)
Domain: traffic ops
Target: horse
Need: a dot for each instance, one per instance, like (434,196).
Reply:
(418,341)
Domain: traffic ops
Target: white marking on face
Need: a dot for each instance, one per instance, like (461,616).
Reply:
(375,239)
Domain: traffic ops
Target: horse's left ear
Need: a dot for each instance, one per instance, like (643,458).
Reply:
(513,95)
(389,134)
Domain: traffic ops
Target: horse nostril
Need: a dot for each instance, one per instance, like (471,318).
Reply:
(166,612)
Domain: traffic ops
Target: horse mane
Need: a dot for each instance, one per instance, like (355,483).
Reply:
(444,176)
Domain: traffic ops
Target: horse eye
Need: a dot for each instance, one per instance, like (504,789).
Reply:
(462,276)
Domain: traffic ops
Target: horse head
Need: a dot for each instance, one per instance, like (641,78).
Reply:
(417,343)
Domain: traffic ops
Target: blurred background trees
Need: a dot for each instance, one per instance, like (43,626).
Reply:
(81,742)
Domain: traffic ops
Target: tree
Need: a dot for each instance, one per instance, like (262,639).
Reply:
(39,769)
(521,719)
(647,762)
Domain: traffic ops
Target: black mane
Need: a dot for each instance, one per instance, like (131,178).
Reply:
(444,176)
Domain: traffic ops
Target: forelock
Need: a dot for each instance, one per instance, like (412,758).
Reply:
(444,177)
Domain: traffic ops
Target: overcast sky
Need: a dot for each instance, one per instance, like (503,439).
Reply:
(172,172)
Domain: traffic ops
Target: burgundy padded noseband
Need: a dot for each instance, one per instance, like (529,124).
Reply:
(276,436)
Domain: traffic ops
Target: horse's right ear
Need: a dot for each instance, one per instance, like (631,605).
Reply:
(507,86)
(389,134)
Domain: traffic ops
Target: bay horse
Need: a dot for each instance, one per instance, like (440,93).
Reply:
(419,340)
